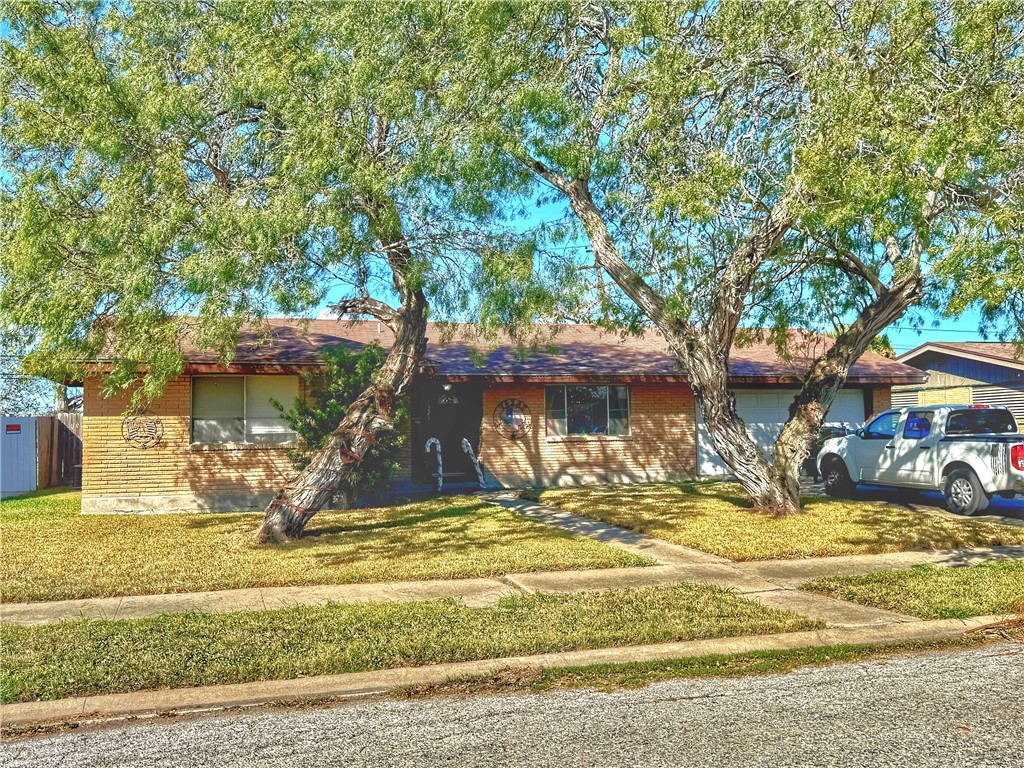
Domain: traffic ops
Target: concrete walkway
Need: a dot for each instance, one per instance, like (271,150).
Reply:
(474,593)
(622,538)
(771,583)
(360,684)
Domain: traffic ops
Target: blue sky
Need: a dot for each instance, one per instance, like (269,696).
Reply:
(917,327)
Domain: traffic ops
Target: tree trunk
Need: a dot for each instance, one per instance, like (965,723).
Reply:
(707,368)
(703,351)
(827,376)
(372,412)
(370,415)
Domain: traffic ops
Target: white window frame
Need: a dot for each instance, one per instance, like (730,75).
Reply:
(608,411)
(245,408)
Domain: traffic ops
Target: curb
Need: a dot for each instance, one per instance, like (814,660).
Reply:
(360,684)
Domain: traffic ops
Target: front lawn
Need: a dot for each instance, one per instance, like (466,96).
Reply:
(52,552)
(714,517)
(91,657)
(929,592)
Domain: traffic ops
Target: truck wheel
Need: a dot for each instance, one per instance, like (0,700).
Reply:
(838,484)
(964,494)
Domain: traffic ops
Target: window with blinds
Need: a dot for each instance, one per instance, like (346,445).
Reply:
(239,409)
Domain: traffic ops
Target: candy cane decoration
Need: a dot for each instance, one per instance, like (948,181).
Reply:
(468,448)
(435,443)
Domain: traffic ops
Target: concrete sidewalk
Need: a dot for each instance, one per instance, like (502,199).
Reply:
(773,583)
(359,684)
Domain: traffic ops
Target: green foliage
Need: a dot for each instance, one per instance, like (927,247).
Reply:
(20,392)
(689,120)
(198,167)
(329,392)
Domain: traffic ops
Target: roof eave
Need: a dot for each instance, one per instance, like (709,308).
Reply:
(939,347)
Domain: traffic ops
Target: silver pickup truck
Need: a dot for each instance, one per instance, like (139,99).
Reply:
(969,452)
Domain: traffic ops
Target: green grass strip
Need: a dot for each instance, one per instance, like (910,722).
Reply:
(94,657)
(608,677)
(930,592)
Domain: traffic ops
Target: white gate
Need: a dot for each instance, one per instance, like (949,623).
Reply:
(17,455)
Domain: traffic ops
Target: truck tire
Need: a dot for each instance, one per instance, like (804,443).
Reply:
(838,484)
(964,493)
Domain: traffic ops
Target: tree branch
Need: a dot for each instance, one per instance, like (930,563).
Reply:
(366,305)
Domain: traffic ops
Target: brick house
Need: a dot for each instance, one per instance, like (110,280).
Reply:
(589,407)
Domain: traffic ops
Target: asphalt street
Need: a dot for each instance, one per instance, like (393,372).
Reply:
(938,709)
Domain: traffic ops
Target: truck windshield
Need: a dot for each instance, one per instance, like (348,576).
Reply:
(981,421)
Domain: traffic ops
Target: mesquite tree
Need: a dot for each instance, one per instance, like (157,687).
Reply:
(176,171)
(731,162)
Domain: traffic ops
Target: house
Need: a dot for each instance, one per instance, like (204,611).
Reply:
(589,406)
(970,372)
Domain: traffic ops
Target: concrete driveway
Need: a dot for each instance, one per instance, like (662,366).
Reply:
(1000,510)
(1008,511)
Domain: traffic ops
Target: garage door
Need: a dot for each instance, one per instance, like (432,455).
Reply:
(765,411)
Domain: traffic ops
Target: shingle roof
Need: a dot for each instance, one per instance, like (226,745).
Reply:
(996,351)
(567,351)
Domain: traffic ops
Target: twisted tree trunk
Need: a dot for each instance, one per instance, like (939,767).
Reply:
(372,412)
(827,376)
(707,369)
(703,351)
(370,415)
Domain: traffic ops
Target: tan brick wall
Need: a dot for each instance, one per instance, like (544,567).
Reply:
(172,475)
(881,399)
(661,444)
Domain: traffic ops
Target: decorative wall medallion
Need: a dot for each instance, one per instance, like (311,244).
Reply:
(512,419)
(142,430)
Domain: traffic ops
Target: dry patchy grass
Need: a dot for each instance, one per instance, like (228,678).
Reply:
(608,677)
(52,552)
(715,517)
(93,657)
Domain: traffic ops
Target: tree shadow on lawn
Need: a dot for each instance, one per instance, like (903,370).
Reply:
(402,522)
(460,530)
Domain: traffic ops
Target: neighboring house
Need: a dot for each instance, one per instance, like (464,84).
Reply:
(588,407)
(970,372)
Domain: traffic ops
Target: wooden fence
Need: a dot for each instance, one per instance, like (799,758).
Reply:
(59,441)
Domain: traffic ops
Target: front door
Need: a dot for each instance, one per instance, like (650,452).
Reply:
(450,412)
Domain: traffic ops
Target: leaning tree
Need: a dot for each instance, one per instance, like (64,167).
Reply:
(176,172)
(731,162)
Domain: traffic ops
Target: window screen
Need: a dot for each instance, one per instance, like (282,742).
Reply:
(218,409)
(554,406)
(263,422)
(587,410)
